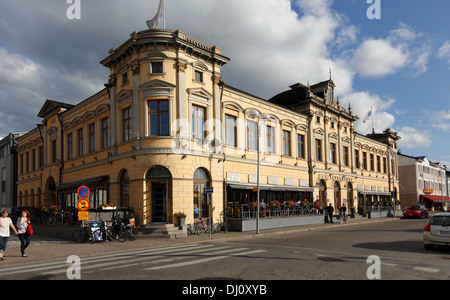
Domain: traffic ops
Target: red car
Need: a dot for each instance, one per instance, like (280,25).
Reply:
(415,211)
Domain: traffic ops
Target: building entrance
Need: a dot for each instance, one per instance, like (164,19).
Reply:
(159,202)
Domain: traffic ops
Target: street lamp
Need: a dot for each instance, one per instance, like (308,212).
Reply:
(253,113)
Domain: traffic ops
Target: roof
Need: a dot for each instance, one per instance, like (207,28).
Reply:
(52,105)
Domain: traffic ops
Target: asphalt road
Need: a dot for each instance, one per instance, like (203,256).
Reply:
(395,248)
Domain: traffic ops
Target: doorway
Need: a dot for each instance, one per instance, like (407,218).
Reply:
(159,202)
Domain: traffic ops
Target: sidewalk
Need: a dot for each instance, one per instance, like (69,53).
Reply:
(44,248)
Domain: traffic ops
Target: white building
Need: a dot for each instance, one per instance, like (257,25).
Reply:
(422,181)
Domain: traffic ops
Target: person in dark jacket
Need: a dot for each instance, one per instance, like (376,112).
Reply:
(330,211)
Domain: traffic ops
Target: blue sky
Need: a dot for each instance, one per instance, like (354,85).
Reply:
(399,65)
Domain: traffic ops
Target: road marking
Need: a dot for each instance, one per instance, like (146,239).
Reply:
(63,264)
(428,270)
(199,261)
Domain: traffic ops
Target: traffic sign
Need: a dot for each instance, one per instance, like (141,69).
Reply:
(83,216)
(208,190)
(84,192)
(83,205)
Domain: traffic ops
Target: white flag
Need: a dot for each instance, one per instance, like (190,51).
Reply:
(153,23)
(368,116)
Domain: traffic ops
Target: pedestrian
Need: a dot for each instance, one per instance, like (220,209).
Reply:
(330,211)
(22,228)
(5,224)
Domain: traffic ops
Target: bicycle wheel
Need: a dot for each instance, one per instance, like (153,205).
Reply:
(79,236)
(131,233)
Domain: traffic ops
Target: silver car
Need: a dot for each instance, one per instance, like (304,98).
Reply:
(437,231)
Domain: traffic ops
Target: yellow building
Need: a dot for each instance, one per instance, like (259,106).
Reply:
(166,126)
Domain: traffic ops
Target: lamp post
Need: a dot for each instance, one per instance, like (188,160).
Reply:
(253,113)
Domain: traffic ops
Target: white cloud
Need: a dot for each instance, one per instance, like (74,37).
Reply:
(441,120)
(361,103)
(412,138)
(378,58)
(444,52)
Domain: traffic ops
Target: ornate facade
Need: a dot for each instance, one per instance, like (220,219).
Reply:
(166,126)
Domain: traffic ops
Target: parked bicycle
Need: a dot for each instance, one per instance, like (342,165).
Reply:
(82,235)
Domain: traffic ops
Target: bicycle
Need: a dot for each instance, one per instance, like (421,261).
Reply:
(82,235)
(343,217)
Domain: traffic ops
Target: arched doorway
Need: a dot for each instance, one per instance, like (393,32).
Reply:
(350,202)
(159,183)
(49,194)
(323,194)
(124,182)
(337,195)
(201,207)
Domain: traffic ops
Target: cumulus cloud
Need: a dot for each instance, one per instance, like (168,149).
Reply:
(441,120)
(413,138)
(43,55)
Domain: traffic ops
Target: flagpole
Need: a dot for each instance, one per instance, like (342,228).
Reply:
(164,14)
(373,128)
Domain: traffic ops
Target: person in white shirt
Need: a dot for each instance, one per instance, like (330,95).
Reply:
(5,224)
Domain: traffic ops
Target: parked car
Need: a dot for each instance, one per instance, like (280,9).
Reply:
(437,231)
(415,211)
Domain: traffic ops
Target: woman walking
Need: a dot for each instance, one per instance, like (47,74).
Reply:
(22,228)
(5,224)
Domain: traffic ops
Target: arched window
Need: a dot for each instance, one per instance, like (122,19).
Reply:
(201,207)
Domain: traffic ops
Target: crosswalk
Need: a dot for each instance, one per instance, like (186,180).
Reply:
(146,260)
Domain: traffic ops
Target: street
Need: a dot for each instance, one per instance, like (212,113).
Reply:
(325,253)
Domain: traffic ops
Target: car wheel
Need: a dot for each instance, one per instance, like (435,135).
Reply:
(428,246)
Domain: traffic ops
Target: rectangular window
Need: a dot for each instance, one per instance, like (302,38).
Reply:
(53,152)
(198,122)
(365,166)
(91,138)
(33,159)
(230,130)
(80,141)
(286,143)
(124,78)
(378,164)
(69,146)
(157,67)
(270,146)
(385,166)
(301,146)
(357,159)
(105,129)
(158,112)
(372,163)
(318,150)
(345,156)
(252,133)
(126,125)
(41,157)
(333,156)
(198,76)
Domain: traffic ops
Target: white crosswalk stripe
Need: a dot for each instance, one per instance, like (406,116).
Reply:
(160,258)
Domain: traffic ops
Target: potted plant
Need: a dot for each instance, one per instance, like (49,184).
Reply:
(181,216)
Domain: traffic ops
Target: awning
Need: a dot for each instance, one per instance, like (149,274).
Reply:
(76,184)
(436,198)
(375,193)
(263,187)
